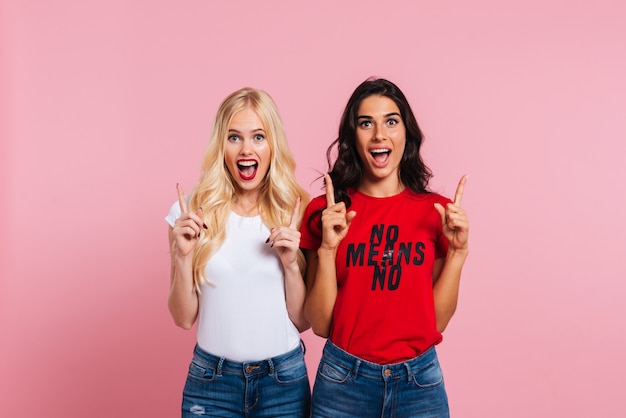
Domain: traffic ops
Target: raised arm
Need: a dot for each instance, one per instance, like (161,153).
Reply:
(183,237)
(447,271)
(286,241)
(321,273)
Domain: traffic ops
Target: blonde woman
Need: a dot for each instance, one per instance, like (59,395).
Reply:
(236,269)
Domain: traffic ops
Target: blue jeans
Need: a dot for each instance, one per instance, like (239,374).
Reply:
(272,388)
(347,386)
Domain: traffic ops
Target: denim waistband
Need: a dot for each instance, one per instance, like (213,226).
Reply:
(267,366)
(365,368)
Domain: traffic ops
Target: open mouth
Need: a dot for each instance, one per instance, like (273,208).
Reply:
(247,169)
(380,156)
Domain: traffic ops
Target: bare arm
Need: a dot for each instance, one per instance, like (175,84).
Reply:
(321,272)
(286,241)
(295,292)
(446,286)
(447,271)
(183,299)
(321,290)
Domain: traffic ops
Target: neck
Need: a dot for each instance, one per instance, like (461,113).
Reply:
(245,205)
(381,188)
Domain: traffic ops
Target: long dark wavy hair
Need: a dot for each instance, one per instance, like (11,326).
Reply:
(346,170)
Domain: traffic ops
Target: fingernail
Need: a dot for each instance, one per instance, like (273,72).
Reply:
(267,240)
(204,226)
(272,244)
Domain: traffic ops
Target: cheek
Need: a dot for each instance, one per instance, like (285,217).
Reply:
(232,170)
(230,158)
(400,144)
(361,138)
(228,161)
(361,147)
(265,156)
(265,153)
(266,165)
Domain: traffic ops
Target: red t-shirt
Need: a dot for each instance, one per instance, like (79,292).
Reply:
(384,312)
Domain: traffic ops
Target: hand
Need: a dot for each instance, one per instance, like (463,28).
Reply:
(335,219)
(187,227)
(286,239)
(454,220)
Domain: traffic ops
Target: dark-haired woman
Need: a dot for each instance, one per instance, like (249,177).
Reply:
(384,264)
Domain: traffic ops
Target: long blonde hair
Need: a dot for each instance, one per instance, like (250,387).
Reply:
(216,188)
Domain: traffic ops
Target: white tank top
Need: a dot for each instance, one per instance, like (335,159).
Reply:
(243,317)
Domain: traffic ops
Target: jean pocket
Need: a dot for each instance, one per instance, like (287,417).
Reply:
(201,371)
(429,376)
(291,373)
(333,372)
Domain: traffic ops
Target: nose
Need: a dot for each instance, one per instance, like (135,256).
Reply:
(379,133)
(246,147)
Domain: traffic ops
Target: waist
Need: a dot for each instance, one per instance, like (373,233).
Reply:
(360,366)
(267,366)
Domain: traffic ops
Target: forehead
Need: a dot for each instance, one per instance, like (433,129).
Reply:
(377,105)
(246,118)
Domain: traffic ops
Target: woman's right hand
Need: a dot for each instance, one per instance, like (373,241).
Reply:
(187,227)
(335,219)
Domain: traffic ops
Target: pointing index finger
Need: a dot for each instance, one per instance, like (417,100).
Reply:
(330,191)
(294,215)
(182,201)
(458,196)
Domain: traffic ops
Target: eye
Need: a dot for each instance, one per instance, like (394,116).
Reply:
(393,122)
(233,138)
(365,124)
(259,137)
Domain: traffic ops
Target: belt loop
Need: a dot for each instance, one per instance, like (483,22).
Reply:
(355,370)
(271,364)
(409,373)
(219,366)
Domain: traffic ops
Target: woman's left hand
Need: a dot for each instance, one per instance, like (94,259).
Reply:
(286,239)
(454,220)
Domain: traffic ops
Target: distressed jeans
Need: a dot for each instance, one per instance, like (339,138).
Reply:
(272,388)
(349,387)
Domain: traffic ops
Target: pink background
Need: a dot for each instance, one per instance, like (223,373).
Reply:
(105,105)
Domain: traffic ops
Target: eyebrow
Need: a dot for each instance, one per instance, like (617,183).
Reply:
(253,131)
(385,115)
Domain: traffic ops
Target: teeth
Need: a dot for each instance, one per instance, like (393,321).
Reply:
(379,151)
(246,163)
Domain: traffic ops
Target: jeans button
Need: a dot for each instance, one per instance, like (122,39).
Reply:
(387,372)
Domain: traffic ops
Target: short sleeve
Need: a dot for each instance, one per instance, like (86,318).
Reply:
(311,228)
(441,245)
(173,214)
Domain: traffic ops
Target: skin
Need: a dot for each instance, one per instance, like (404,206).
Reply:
(246,143)
(376,129)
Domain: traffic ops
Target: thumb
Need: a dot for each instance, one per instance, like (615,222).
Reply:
(350,216)
(442,212)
